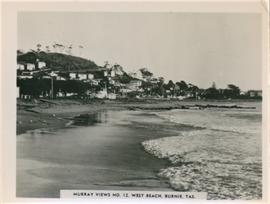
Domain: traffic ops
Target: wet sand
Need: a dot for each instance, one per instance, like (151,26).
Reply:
(103,155)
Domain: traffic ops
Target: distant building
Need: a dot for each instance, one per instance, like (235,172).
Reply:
(21,66)
(134,85)
(112,73)
(125,90)
(138,75)
(30,66)
(41,65)
(117,70)
(254,93)
(72,75)
(85,76)
(82,76)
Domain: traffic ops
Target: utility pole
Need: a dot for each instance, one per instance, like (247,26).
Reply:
(52,87)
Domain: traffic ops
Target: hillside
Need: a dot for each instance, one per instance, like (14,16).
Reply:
(57,61)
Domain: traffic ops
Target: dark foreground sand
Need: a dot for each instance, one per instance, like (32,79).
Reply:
(105,155)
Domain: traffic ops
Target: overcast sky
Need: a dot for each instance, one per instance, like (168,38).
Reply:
(198,48)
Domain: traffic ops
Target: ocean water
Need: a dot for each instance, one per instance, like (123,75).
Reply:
(223,158)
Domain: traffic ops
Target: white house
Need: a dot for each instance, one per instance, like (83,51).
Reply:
(30,66)
(20,66)
(139,75)
(85,76)
(72,75)
(82,76)
(41,64)
(124,90)
(90,76)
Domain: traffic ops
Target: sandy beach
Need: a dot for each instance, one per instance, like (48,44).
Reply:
(104,155)
(137,145)
(55,114)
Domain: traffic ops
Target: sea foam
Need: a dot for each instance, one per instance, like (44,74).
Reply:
(224,159)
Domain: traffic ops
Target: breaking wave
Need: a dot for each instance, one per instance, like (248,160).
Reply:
(224,159)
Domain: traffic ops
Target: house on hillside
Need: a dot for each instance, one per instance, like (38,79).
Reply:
(116,70)
(41,65)
(134,85)
(81,75)
(21,66)
(26,66)
(30,67)
(73,75)
(138,75)
(85,76)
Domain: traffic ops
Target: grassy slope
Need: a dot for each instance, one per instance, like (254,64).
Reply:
(57,61)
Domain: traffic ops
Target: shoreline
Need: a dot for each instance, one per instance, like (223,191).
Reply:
(154,145)
(111,157)
(55,114)
(53,117)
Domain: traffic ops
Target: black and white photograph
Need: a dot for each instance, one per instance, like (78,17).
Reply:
(157,102)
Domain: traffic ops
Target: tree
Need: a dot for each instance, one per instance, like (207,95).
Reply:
(214,85)
(212,93)
(20,52)
(182,88)
(70,49)
(39,47)
(125,78)
(232,91)
(54,47)
(80,50)
(106,64)
(146,74)
(61,48)
(47,48)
